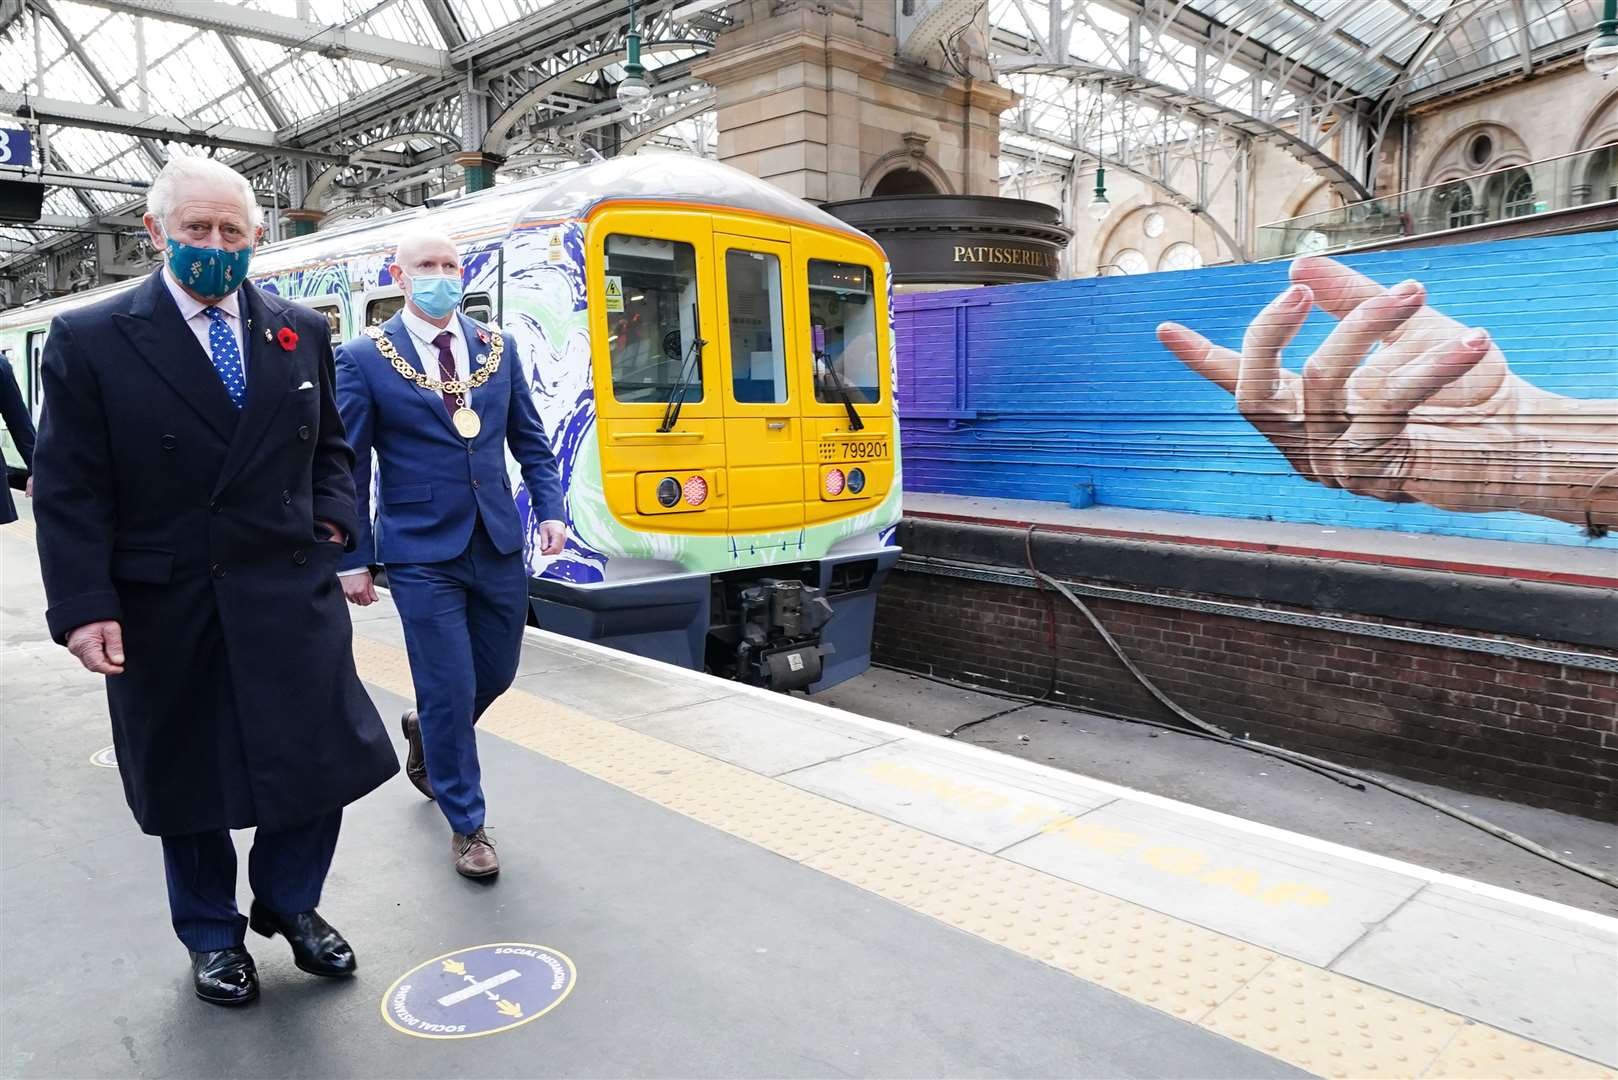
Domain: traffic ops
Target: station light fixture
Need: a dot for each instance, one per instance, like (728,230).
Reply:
(634,94)
(1099,206)
(1601,55)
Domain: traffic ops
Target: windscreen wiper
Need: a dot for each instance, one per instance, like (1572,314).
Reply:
(693,362)
(819,340)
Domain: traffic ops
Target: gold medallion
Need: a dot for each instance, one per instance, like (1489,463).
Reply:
(466,422)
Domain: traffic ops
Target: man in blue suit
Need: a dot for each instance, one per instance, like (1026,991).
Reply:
(440,398)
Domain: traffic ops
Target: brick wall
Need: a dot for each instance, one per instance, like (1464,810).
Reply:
(1538,733)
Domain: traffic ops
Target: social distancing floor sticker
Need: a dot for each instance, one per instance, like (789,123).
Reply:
(479,990)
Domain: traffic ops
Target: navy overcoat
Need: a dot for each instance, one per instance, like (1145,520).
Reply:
(159,504)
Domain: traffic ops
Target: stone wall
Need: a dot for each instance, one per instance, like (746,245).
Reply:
(813,98)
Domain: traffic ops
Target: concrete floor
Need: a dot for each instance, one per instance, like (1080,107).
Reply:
(1249,785)
(752,885)
(698,954)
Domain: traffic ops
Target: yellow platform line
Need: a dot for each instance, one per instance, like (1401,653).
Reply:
(1315,1019)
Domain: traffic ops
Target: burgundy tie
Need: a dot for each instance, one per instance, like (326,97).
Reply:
(446,367)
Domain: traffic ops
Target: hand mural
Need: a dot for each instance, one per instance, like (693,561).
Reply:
(1405,404)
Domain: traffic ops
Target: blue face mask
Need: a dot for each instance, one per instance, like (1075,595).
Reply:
(210,272)
(436,296)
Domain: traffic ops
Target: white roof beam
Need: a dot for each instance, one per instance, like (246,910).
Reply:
(334,41)
(152,151)
(261,90)
(151,126)
(76,181)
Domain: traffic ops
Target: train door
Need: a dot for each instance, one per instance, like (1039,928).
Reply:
(36,353)
(654,329)
(763,427)
(848,436)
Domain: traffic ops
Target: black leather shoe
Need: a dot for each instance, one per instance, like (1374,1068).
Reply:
(224,976)
(316,947)
(416,761)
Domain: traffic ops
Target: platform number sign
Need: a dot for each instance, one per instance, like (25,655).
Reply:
(16,147)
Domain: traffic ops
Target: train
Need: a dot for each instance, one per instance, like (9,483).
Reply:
(714,363)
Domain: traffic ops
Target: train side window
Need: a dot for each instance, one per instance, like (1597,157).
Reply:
(757,341)
(382,309)
(333,312)
(478,307)
(36,353)
(842,313)
(651,292)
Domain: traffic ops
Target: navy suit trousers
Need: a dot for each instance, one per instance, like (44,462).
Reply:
(286,870)
(463,621)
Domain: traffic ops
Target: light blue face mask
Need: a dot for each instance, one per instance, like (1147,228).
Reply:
(208,272)
(436,296)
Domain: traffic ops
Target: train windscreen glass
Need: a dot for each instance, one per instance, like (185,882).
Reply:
(651,294)
(757,340)
(843,306)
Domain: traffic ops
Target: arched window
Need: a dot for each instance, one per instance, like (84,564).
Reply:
(1128,261)
(905,182)
(1455,205)
(1600,178)
(1180,256)
(1519,197)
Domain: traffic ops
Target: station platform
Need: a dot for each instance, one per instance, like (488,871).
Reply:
(1568,565)
(704,879)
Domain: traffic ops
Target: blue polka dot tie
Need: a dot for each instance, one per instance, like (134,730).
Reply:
(227,356)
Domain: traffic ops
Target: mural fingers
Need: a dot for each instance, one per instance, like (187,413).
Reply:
(1392,395)
(1337,289)
(1326,374)
(1259,385)
(1215,363)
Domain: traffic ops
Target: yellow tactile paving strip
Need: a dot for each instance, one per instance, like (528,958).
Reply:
(1318,1020)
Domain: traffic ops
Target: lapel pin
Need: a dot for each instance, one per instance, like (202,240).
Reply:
(267,335)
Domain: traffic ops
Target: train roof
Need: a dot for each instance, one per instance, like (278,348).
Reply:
(562,194)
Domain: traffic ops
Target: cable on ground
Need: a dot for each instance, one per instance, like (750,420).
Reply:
(1332,770)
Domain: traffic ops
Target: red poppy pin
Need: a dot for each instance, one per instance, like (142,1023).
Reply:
(483,336)
(288,338)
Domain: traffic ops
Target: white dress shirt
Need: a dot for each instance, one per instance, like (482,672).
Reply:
(422,333)
(199,324)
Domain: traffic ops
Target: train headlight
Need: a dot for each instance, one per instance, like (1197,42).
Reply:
(834,482)
(668,492)
(696,491)
(856,481)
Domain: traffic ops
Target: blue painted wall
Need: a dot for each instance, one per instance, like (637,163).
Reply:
(1024,391)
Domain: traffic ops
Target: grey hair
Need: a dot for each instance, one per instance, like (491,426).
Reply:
(184,171)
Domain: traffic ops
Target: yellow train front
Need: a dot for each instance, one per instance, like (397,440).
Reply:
(732,464)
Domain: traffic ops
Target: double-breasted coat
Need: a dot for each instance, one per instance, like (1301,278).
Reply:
(193,523)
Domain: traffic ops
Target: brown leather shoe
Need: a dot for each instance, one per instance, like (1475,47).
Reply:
(474,855)
(416,762)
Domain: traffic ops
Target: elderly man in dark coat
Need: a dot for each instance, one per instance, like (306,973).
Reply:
(193,494)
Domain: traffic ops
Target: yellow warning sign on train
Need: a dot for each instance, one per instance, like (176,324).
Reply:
(615,293)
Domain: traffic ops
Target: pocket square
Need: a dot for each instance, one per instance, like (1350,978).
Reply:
(307,385)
